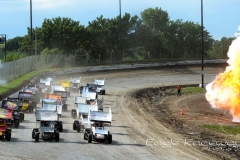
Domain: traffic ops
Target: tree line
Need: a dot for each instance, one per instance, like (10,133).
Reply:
(151,36)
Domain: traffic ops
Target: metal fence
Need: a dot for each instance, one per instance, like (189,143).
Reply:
(15,69)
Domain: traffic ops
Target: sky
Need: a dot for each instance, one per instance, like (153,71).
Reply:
(220,17)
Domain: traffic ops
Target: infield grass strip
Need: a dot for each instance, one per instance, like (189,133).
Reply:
(192,90)
(224,129)
(18,81)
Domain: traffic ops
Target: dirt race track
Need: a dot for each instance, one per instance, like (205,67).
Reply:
(147,123)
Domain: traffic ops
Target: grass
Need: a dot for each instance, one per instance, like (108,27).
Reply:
(193,90)
(18,81)
(224,129)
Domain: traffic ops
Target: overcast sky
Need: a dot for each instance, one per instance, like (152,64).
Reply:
(220,17)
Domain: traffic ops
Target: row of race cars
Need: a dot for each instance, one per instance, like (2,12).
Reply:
(88,114)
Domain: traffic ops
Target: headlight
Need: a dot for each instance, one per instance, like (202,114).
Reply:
(15,113)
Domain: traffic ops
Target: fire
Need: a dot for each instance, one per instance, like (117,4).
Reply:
(224,91)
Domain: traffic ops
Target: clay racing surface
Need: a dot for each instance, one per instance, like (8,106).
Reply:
(147,124)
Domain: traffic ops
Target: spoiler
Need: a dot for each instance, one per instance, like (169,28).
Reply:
(100,116)
(25,95)
(88,94)
(79,99)
(65,84)
(84,108)
(99,82)
(46,115)
(9,105)
(5,113)
(75,80)
(57,87)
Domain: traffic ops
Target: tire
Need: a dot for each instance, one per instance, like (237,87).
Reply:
(16,123)
(78,127)
(73,113)
(80,89)
(103,92)
(30,109)
(90,138)
(60,127)
(21,117)
(65,107)
(8,135)
(34,105)
(37,137)
(85,135)
(34,131)
(109,139)
(75,124)
(57,136)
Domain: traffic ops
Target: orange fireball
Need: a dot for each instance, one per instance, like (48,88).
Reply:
(224,91)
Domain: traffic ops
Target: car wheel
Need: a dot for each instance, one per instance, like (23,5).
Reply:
(36,137)
(73,113)
(78,127)
(16,123)
(21,117)
(109,139)
(8,135)
(57,136)
(61,127)
(89,138)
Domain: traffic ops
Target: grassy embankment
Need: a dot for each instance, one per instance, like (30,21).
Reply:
(233,130)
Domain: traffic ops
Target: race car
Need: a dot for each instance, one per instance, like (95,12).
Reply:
(47,130)
(80,114)
(75,83)
(97,132)
(5,132)
(16,109)
(25,99)
(16,114)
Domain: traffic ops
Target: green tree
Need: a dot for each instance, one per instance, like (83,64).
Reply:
(13,44)
(220,48)
(156,22)
(63,33)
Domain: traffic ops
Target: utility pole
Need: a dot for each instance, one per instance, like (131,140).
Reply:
(31,27)
(4,40)
(36,41)
(5,47)
(120,28)
(202,42)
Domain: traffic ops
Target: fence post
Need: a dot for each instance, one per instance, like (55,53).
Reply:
(99,57)
(74,59)
(65,60)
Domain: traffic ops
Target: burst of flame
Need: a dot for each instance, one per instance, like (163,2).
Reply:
(224,91)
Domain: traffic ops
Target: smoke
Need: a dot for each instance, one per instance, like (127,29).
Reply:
(237,34)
